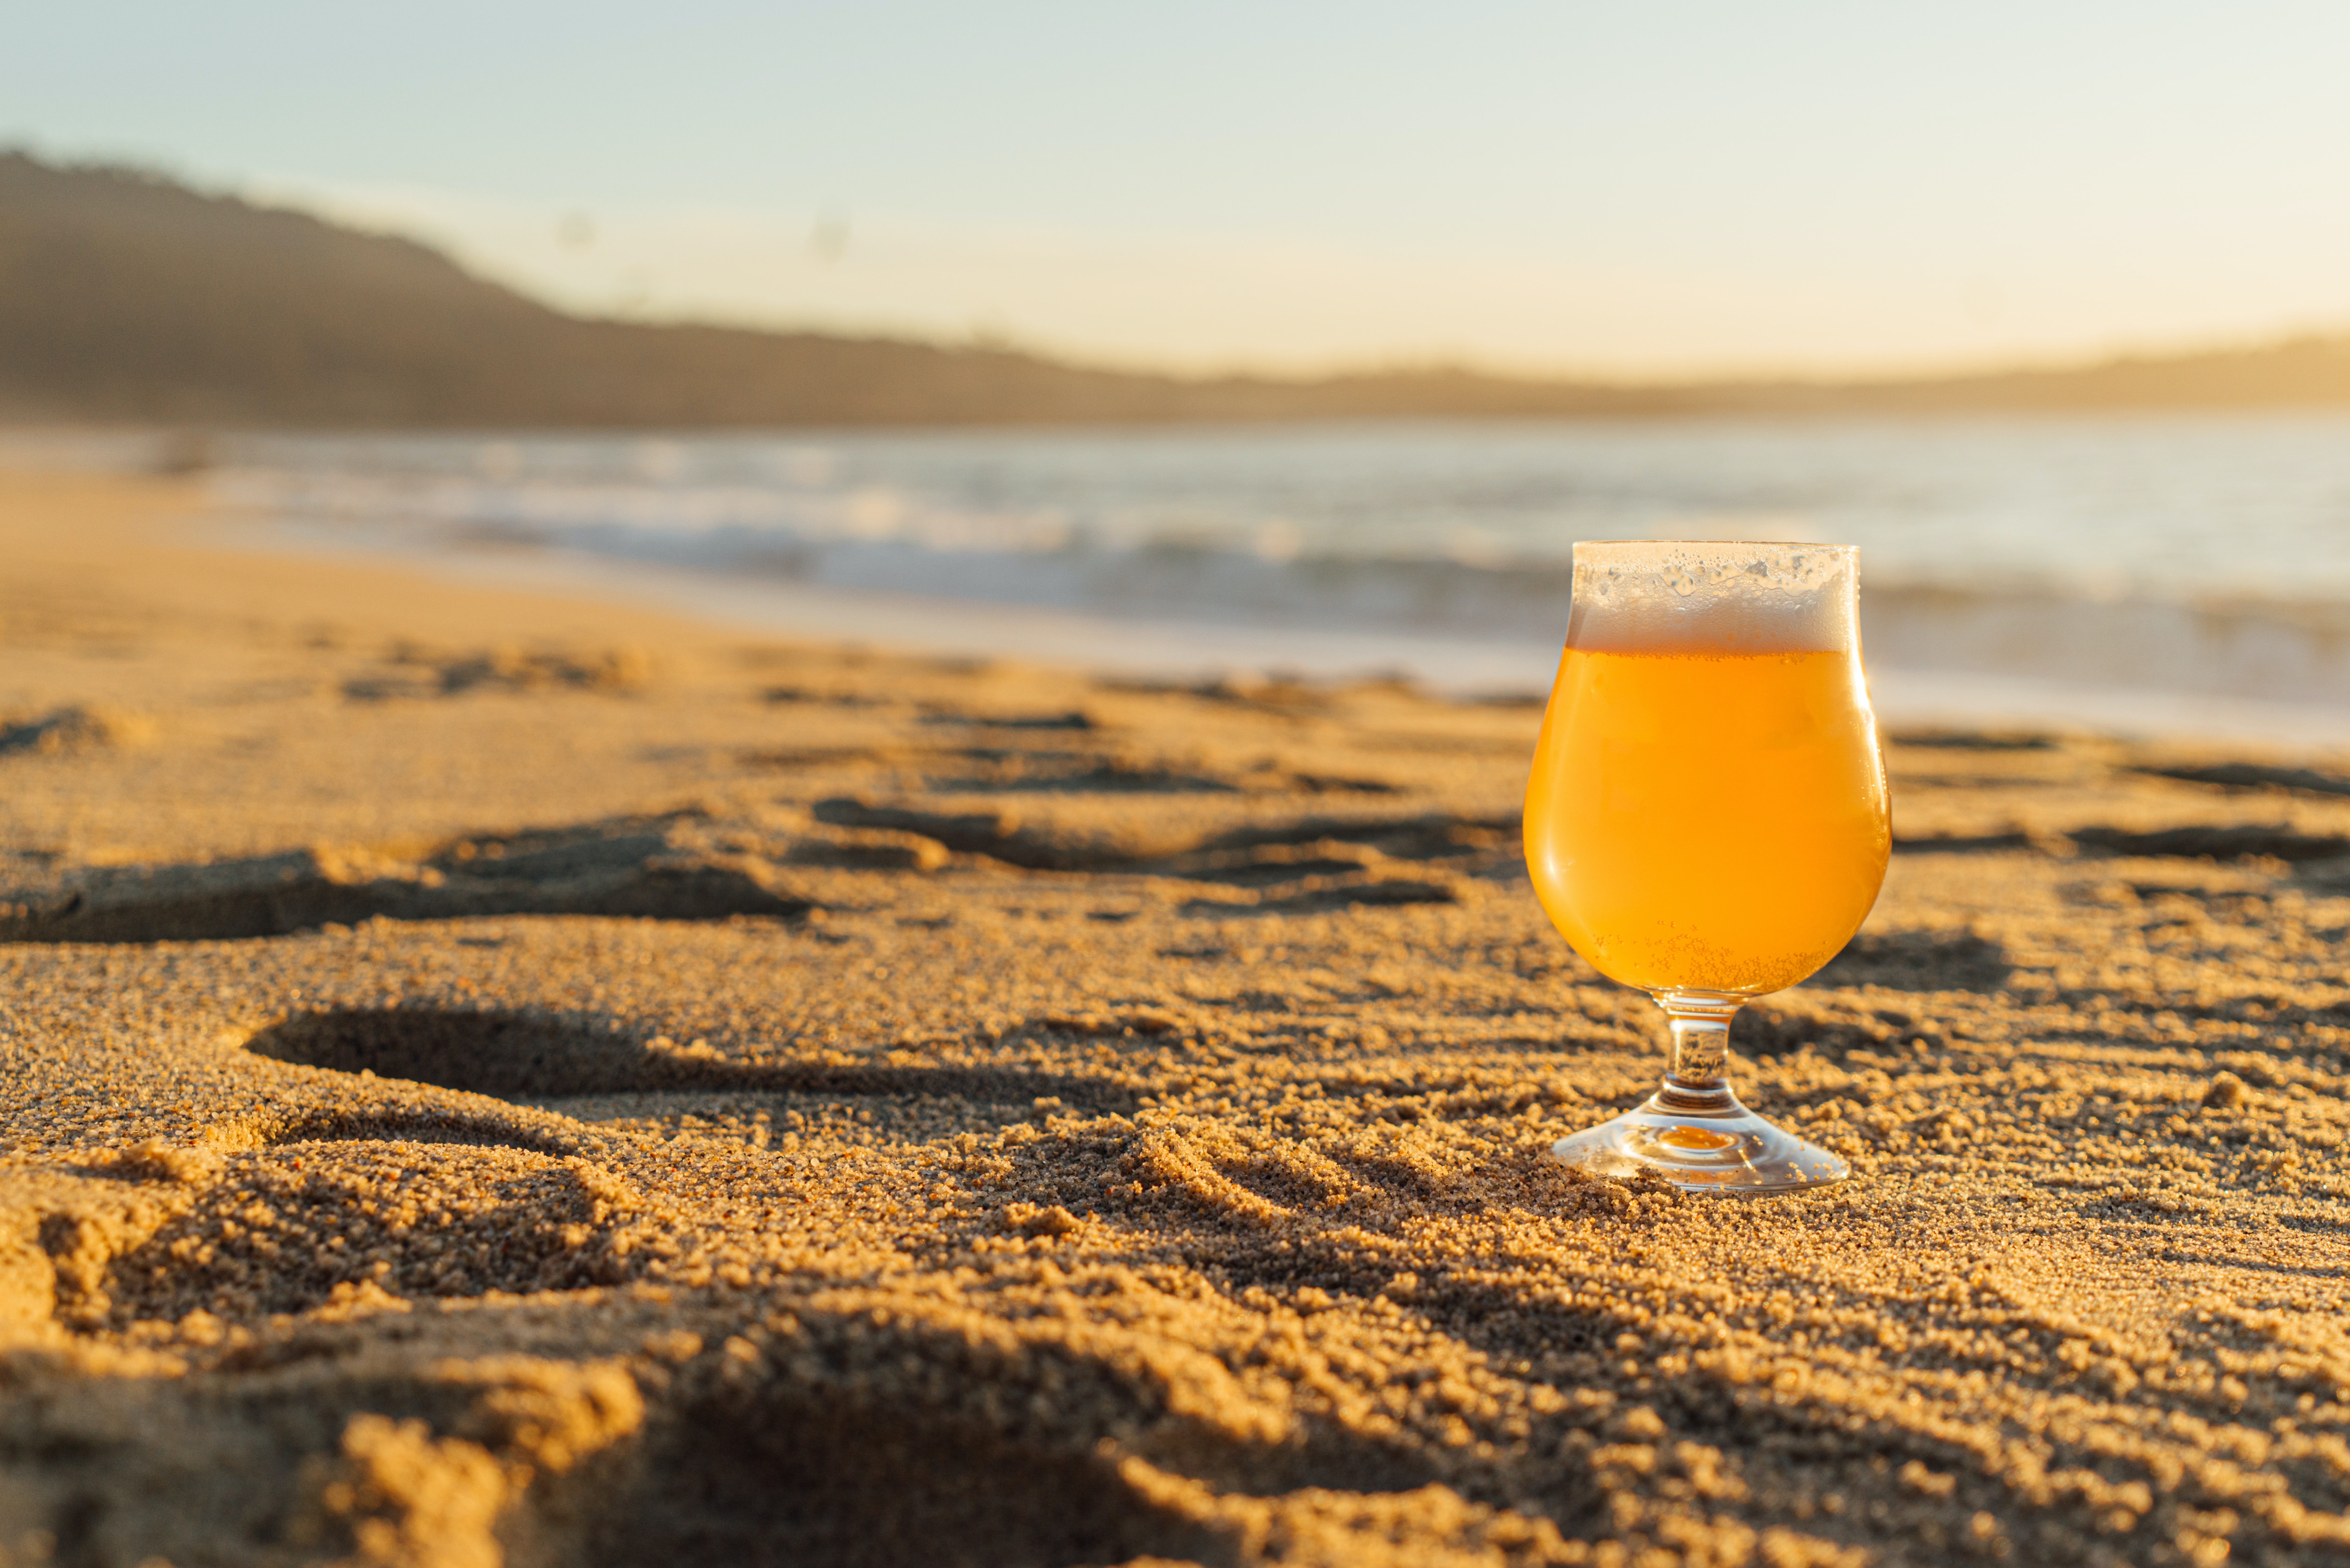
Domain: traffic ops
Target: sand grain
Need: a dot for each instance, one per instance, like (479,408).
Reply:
(500,1081)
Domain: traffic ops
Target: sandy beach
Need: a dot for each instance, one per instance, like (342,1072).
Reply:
(494,1079)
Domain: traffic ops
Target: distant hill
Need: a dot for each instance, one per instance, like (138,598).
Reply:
(127,296)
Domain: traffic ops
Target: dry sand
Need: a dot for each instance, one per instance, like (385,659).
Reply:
(498,1080)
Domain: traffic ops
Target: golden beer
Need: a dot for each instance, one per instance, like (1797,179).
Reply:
(1706,820)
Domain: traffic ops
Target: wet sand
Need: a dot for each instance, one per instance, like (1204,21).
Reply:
(492,1079)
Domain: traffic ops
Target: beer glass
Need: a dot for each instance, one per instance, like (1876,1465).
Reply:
(1706,820)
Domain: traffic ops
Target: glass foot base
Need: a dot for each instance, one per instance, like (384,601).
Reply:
(1701,1139)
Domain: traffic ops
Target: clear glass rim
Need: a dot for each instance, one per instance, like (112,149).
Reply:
(1715,544)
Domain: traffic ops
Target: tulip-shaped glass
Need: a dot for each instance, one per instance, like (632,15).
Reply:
(1707,821)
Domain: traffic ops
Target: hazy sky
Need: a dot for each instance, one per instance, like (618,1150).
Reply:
(1648,187)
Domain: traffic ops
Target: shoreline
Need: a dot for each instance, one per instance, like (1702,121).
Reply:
(1453,667)
(672,525)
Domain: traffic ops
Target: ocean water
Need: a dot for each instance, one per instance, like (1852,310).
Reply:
(2204,559)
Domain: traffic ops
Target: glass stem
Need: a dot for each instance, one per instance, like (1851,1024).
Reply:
(1700,1021)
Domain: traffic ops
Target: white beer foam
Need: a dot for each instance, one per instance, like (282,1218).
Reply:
(1699,596)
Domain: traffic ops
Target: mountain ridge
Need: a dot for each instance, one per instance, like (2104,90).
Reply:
(127,296)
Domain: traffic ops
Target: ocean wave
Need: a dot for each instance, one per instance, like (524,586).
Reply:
(2085,553)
